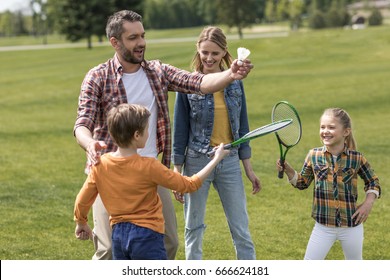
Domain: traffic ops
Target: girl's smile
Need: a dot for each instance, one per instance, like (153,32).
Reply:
(333,134)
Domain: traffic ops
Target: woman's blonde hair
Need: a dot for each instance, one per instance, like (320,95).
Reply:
(215,35)
(345,121)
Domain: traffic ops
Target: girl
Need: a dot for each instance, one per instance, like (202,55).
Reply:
(334,169)
(201,122)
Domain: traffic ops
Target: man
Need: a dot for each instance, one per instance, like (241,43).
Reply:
(129,78)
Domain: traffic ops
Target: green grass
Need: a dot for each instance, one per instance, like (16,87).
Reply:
(41,166)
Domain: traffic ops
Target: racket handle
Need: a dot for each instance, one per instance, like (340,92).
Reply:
(212,153)
(281,172)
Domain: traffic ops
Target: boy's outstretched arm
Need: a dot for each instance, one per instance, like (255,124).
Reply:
(219,155)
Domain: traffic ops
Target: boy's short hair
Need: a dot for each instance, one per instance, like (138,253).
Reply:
(124,120)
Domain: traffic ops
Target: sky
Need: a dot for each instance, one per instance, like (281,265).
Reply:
(13,5)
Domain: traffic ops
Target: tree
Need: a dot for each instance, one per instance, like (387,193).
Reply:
(296,8)
(282,10)
(207,10)
(39,17)
(270,11)
(161,14)
(6,24)
(79,19)
(375,18)
(316,19)
(238,13)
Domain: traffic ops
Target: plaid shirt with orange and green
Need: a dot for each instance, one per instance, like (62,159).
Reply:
(335,191)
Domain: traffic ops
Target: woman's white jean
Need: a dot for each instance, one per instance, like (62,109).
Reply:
(322,239)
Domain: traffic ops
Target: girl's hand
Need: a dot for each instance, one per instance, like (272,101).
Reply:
(364,209)
(279,166)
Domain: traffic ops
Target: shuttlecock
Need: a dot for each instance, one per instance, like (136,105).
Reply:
(242,53)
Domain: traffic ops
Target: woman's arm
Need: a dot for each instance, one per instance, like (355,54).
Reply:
(216,81)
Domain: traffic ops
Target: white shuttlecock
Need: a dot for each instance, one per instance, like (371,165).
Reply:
(242,53)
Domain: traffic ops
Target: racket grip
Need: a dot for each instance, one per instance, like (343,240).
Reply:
(281,172)
(212,153)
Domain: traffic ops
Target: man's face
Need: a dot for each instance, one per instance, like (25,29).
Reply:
(131,47)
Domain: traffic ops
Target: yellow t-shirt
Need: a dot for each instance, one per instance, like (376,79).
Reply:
(222,132)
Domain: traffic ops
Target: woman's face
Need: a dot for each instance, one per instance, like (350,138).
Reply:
(210,55)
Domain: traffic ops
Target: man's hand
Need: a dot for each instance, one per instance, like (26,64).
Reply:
(240,72)
(93,150)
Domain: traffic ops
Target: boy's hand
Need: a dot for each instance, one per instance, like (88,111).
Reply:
(83,232)
(220,152)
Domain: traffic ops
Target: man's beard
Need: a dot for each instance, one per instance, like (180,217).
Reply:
(129,57)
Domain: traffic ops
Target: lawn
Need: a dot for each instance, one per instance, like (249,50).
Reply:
(41,165)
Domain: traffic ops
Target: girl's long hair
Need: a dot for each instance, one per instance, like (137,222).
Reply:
(346,122)
(215,35)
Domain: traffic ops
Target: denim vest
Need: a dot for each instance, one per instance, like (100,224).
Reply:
(194,120)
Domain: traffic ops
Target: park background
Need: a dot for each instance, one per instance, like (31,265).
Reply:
(41,165)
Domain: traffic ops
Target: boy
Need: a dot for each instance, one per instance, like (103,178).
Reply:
(127,184)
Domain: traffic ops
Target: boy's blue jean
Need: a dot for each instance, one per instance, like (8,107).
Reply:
(132,242)
(227,180)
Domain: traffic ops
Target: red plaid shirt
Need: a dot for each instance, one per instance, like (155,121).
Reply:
(103,89)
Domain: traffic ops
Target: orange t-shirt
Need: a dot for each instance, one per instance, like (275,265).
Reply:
(128,189)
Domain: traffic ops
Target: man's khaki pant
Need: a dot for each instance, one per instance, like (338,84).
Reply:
(102,230)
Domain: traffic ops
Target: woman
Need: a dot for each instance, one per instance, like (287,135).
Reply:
(202,122)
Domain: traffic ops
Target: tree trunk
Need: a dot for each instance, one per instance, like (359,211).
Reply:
(240,35)
(89,42)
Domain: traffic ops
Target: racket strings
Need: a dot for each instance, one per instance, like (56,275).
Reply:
(291,134)
(267,129)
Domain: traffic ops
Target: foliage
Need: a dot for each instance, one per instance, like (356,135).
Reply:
(296,9)
(236,13)
(333,19)
(337,15)
(41,22)
(323,16)
(162,14)
(270,12)
(41,165)
(13,23)
(317,20)
(82,19)
(375,18)
(291,10)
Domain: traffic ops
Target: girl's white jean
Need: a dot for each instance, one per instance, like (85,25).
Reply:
(322,239)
